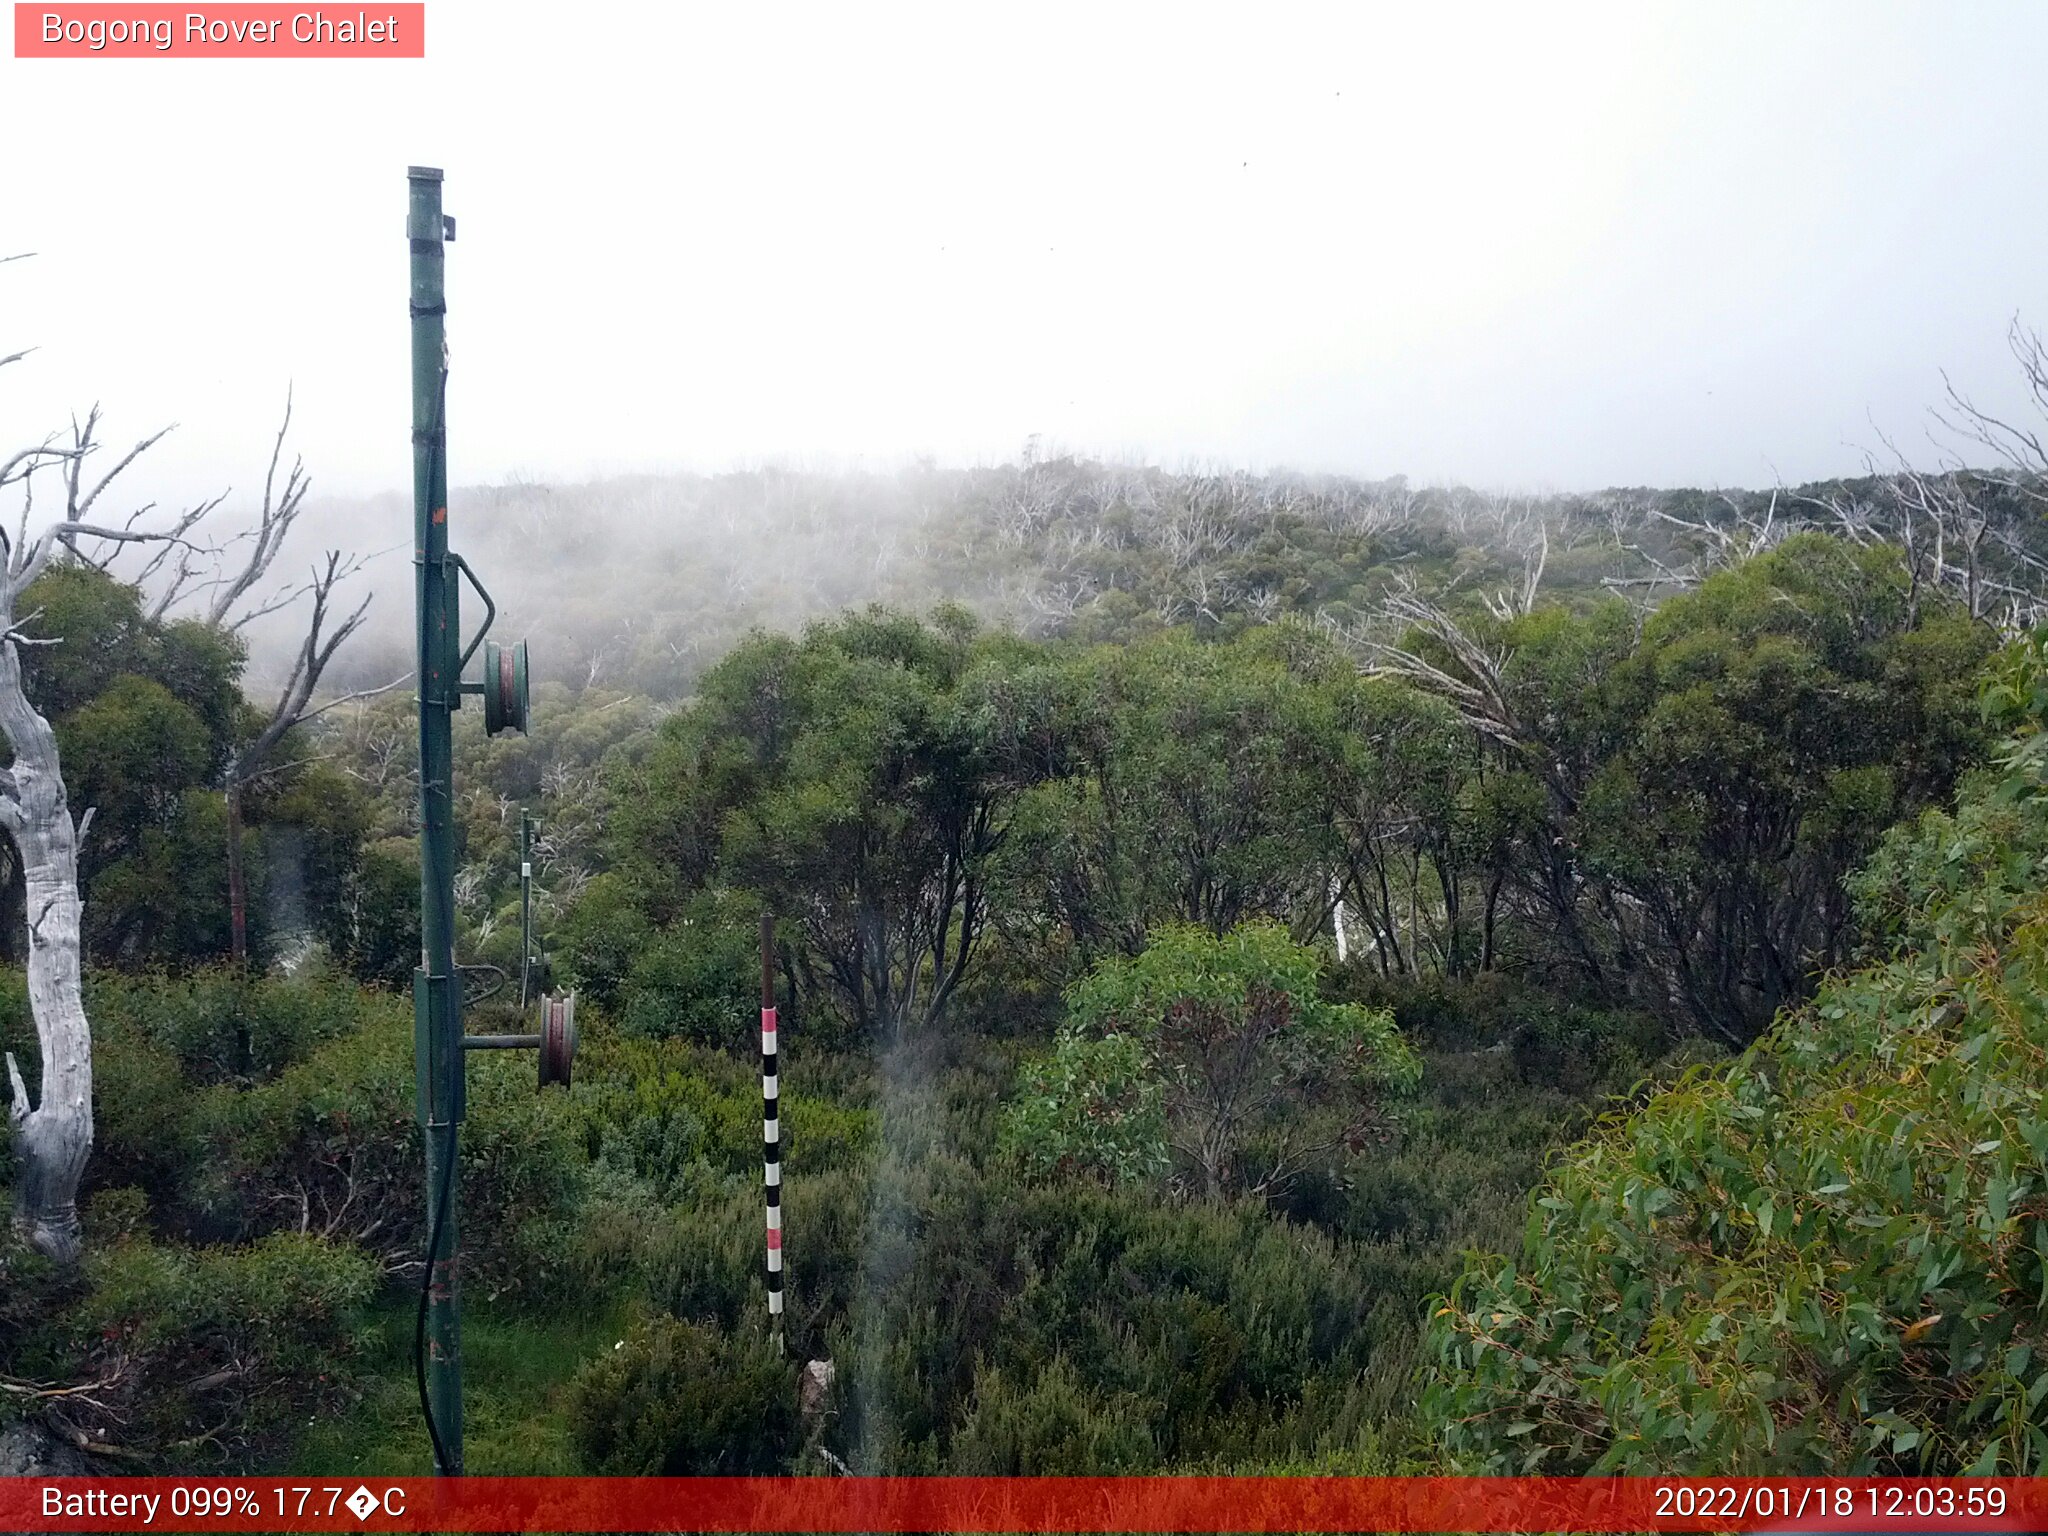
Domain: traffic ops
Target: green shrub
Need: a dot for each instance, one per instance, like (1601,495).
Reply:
(1214,1057)
(332,1146)
(699,978)
(1553,1040)
(669,1113)
(1052,1425)
(599,936)
(170,1052)
(375,928)
(1204,1323)
(226,1025)
(675,1399)
(1094,1108)
(218,1352)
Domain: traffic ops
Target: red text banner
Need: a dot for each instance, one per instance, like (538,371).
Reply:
(226,31)
(993,1504)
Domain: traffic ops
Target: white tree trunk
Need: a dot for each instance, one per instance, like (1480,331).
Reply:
(53,1139)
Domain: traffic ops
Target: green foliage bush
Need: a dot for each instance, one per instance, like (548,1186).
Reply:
(1830,1256)
(1095,1106)
(332,1146)
(1215,1056)
(602,936)
(665,1110)
(698,978)
(1551,1040)
(227,1025)
(218,1353)
(375,929)
(239,1106)
(678,1399)
(1204,1325)
(1050,1426)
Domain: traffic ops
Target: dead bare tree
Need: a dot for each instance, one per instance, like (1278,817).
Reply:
(294,707)
(1471,676)
(1955,532)
(2019,448)
(1972,534)
(219,580)
(53,1133)
(1532,533)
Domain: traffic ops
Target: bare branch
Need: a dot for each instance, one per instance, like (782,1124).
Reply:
(359,694)
(315,653)
(76,507)
(32,561)
(28,460)
(281,508)
(1477,688)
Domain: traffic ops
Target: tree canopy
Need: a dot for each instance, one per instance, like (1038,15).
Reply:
(1829,1256)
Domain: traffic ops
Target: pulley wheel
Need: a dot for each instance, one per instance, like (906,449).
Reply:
(557,1037)
(504,687)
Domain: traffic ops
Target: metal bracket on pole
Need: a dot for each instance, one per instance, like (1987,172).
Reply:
(490,613)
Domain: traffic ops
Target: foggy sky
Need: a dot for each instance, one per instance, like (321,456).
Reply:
(1553,247)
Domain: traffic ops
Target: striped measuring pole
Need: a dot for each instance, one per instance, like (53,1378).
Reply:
(771,1129)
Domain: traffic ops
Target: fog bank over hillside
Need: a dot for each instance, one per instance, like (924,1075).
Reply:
(641,582)
(644,580)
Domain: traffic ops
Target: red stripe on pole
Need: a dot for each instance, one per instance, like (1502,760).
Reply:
(990,1504)
(774,1238)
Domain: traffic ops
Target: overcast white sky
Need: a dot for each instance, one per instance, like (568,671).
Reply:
(1550,246)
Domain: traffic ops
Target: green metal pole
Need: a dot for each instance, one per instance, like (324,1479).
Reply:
(437,987)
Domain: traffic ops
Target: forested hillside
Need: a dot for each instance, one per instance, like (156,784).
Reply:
(1206,908)
(643,583)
